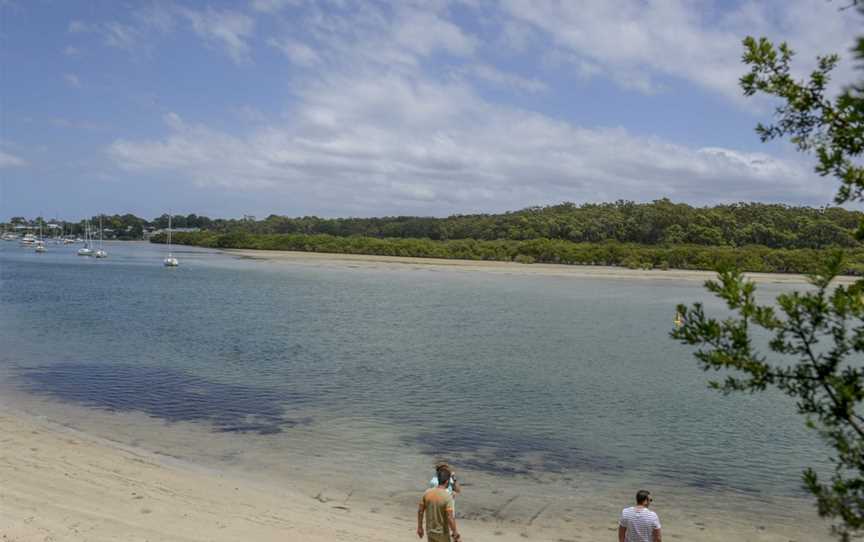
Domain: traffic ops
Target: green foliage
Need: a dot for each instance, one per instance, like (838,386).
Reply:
(661,222)
(813,122)
(820,331)
(817,337)
(612,253)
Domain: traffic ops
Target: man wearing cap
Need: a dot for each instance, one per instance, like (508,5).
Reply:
(437,506)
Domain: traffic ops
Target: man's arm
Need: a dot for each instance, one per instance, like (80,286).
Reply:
(451,519)
(622,531)
(420,510)
(658,536)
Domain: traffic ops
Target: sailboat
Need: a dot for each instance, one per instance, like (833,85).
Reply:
(100,253)
(170,261)
(67,239)
(86,251)
(40,243)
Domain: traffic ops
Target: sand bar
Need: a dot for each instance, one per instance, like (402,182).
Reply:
(537,269)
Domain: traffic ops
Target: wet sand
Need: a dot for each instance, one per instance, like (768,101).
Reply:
(539,269)
(59,484)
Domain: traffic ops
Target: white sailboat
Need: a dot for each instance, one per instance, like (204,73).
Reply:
(101,252)
(86,251)
(40,243)
(170,261)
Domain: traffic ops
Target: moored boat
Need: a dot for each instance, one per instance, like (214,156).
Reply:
(170,261)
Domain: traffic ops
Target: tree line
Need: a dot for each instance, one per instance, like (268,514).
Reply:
(661,222)
(754,258)
(126,226)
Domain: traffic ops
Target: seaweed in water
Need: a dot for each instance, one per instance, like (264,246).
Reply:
(170,394)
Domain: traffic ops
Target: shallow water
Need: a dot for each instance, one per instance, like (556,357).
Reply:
(552,385)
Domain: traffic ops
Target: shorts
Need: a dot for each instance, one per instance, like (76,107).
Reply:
(438,537)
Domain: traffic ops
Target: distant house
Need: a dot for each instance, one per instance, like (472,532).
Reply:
(150,232)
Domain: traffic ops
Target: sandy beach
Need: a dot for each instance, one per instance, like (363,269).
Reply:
(513,268)
(59,484)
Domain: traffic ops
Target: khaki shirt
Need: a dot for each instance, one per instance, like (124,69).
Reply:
(438,504)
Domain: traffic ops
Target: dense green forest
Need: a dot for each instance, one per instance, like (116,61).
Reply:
(635,256)
(661,222)
(661,234)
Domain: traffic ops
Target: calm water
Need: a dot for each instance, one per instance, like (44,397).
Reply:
(548,380)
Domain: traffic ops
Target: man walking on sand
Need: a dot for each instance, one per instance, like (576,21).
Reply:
(637,523)
(437,506)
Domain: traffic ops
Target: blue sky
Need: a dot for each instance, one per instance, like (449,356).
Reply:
(362,108)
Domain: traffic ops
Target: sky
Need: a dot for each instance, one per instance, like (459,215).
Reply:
(408,107)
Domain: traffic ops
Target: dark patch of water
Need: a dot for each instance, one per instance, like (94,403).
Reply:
(510,453)
(520,454)
(170,394)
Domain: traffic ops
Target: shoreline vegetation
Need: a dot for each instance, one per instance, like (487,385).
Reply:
(753,237)
(752,259)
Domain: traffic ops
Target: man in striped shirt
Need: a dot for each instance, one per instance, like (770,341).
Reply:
(637,523)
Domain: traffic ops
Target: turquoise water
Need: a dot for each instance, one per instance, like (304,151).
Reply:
(532,377)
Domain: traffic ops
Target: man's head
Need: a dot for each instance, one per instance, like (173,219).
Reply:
(643,497)
(443,474)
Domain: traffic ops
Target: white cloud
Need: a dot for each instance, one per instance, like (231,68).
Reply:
(10,160)
(376,35)
(637,42)
(113,33)
(71,51)
(272,6)
(72,80)
(299,53)
(228,29)
(493,75)
(426,32)
(159,17)
(121,36)
(379,126)
(377,144)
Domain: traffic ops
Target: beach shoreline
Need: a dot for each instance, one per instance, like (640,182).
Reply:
(63,484)
(512,268)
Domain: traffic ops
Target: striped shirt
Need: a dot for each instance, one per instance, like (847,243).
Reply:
(640,524)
